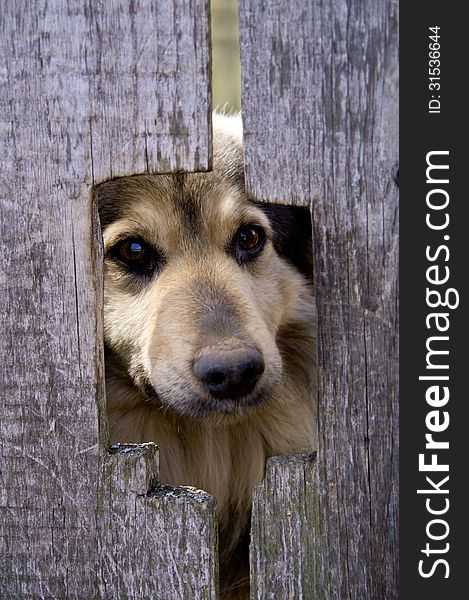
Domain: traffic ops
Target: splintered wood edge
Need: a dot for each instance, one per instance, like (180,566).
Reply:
(131,468)
(150,528)
(137,466)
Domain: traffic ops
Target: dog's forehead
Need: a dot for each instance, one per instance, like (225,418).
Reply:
(207,201)
(199,204)
(175,209)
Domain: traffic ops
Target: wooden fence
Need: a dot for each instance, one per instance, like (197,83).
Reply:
(92,90)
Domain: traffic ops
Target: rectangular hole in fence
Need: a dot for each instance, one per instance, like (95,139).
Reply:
(209,327)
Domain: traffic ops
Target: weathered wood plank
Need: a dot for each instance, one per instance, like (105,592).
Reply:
(155,541)
(356,231)
(145,68)
(282,530)
(70,117)
(278,100)
(320,115)
(51,390)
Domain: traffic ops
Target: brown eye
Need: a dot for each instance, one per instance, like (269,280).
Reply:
(248,242)
(248,239)
(131,250)
(136,256)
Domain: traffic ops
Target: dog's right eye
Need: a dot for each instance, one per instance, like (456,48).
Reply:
(248,243)
(136,256)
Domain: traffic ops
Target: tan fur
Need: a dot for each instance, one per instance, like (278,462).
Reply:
(155,329)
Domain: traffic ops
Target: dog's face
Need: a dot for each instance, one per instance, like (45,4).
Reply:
(198,284)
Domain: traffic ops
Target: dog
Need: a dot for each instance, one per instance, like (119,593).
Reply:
(209,332)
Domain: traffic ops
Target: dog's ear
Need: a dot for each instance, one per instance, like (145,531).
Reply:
(107,198)
(292,234)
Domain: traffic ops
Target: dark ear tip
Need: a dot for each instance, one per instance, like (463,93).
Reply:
(106,197)
(292,234)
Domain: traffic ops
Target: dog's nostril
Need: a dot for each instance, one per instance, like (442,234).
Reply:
(215,378)
(229,374)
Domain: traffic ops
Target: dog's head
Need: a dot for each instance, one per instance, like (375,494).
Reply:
(200,282)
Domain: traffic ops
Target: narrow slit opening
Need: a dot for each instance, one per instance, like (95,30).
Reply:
(226,66)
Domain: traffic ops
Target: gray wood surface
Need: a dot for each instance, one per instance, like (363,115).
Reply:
(282,530)
(321,125)
(279,98)
(89,91)
(145,68)
(155,541)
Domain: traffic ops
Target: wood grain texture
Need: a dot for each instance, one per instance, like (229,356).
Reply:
(69,117)
(282,530)
(50,346)
(135,76)
(146,72)
(155,541)
(278,100)
(321,124)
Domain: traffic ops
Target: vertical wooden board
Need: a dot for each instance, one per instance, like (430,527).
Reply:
(355,204)
(282,527)
(135,77)
(147,79)
(320,111)
(51,380)
(64,122)
(184,524)
(356,248)
(155,541)
(278,99)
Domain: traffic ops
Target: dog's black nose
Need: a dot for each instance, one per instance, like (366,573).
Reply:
(229,374)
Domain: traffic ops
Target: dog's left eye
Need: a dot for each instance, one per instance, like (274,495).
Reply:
(136,255)
(249,241)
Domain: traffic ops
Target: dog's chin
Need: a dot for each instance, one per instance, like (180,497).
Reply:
(194,406)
